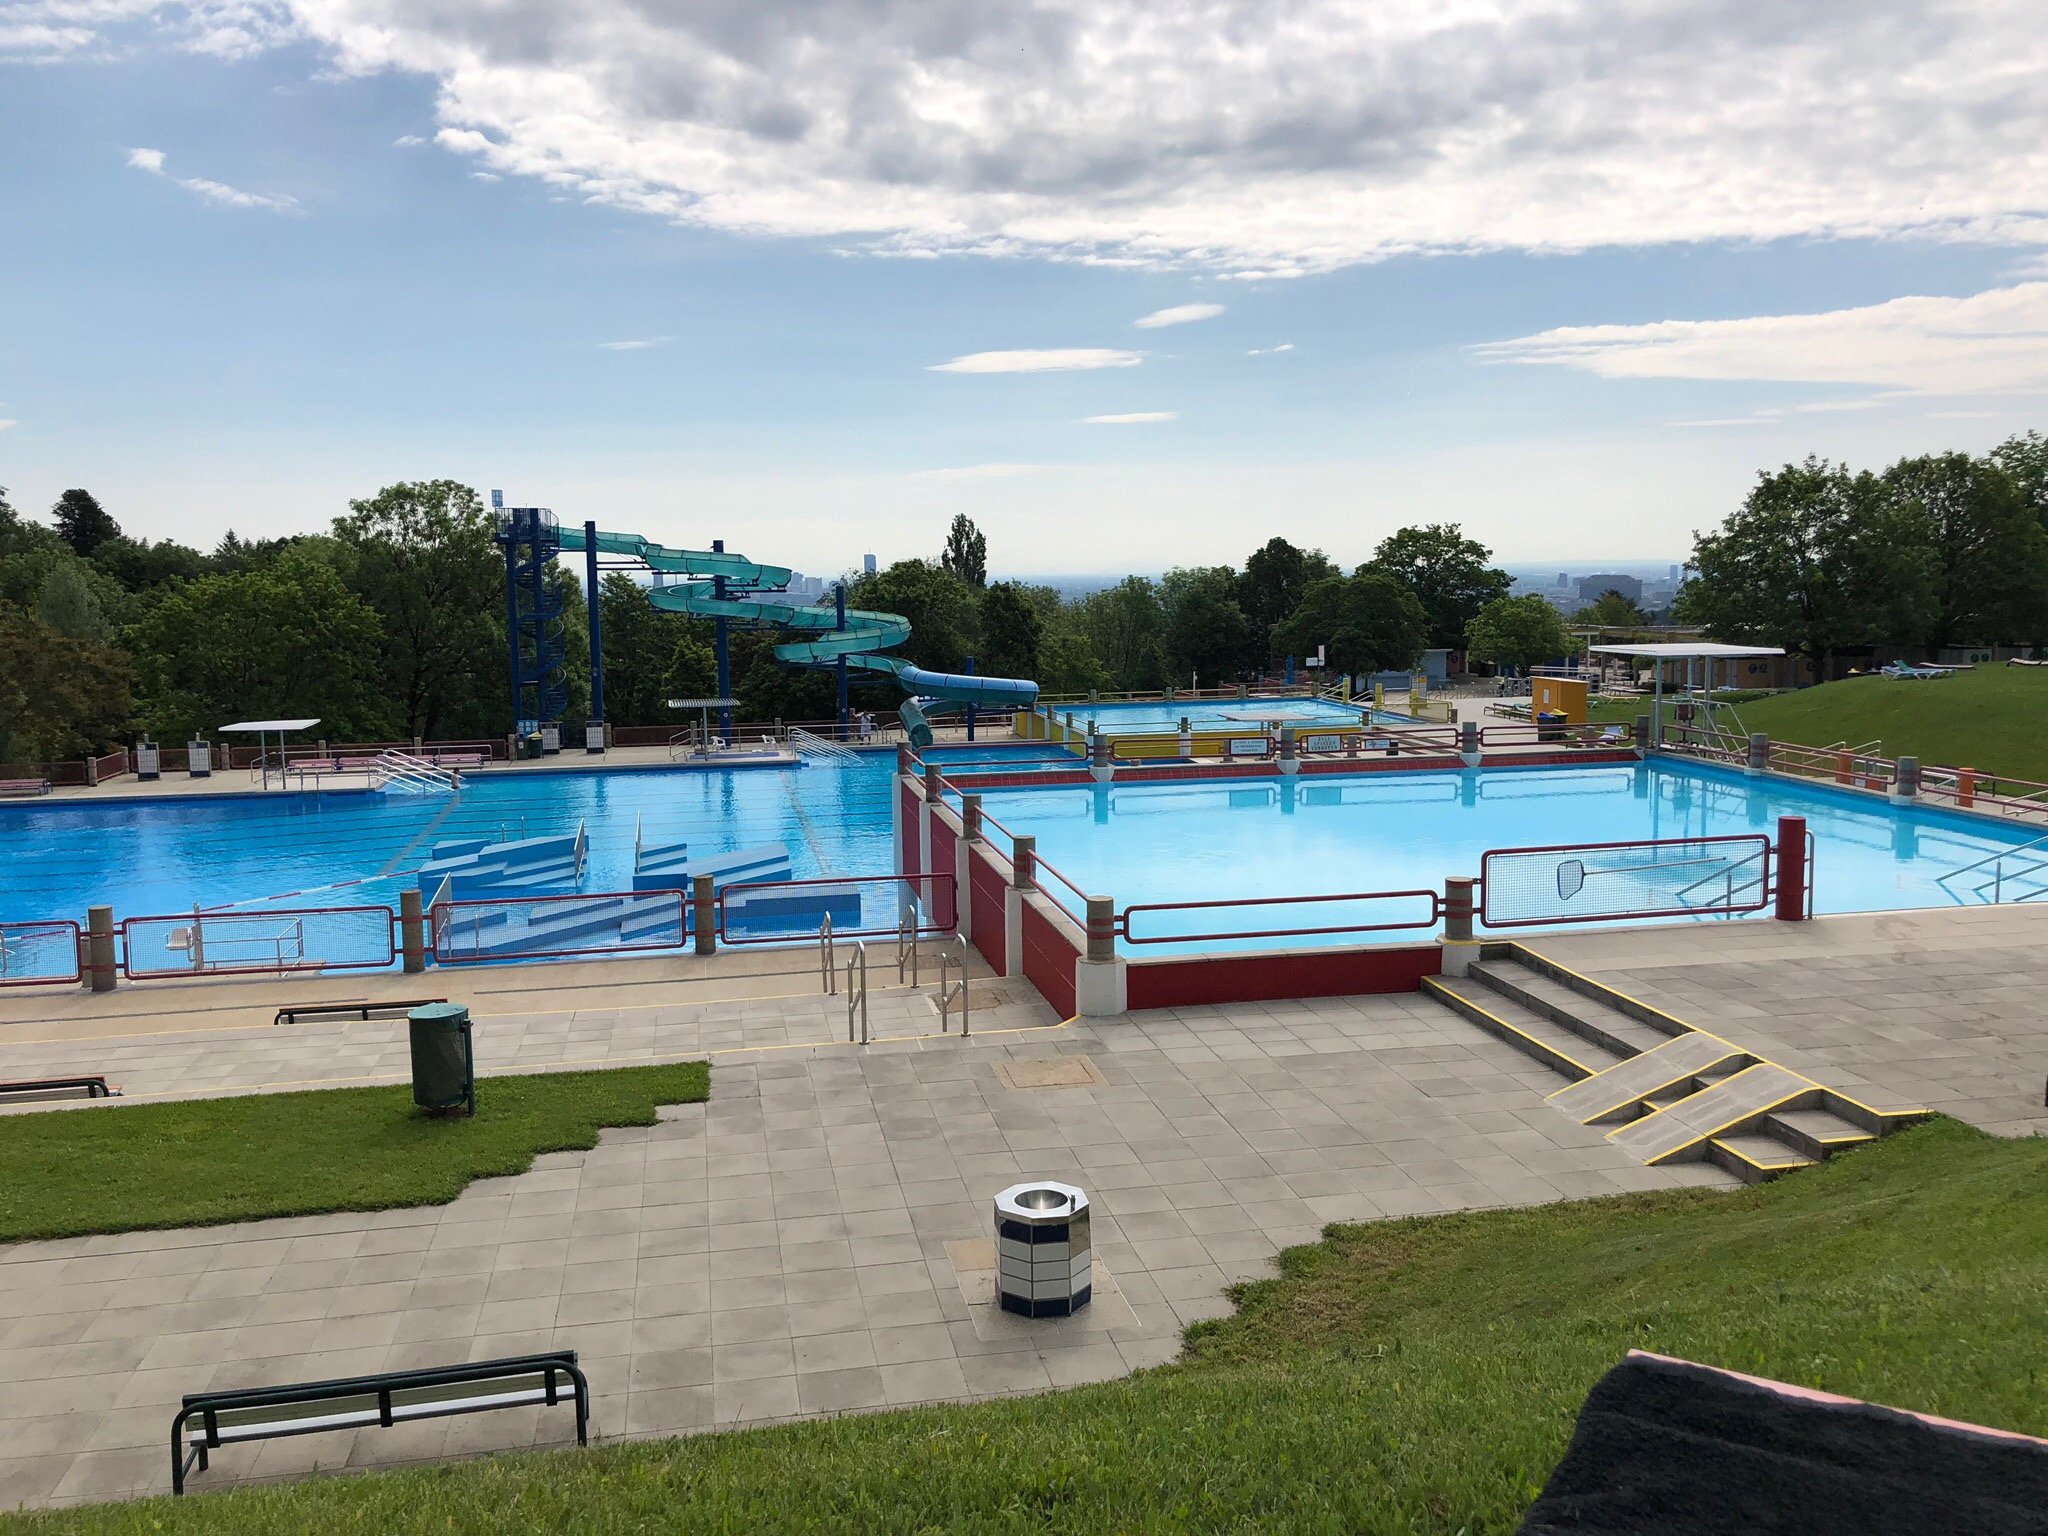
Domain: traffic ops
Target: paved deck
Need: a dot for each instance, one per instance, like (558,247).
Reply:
(1941,1009)
(811,1241)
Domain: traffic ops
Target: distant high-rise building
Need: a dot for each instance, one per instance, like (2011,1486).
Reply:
(867,563)
(1590,587)
(1674,575)
(1564,578)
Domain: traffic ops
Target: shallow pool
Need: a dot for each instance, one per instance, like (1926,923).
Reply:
(1338,834)
(1120,719)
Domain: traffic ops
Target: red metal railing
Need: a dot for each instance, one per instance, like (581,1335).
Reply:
(38,952)
(1693,877)
(1517,734)
(502,927)
(260,943)
(1432,901)
(942,916)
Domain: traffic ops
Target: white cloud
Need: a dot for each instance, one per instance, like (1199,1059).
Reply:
(1285,346)
(1041,360)
(1991,342)
(636,343)
(152,161)
(407,141)
(1222,134)
(1130,419)
(8,424)
(981,472)
(1179,314)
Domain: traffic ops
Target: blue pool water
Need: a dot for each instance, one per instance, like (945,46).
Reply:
(1121,719)
(1386,832)
(162,856)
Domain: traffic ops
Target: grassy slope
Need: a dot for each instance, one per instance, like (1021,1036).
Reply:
(1992,718)
(1402,1377)
(123,1167)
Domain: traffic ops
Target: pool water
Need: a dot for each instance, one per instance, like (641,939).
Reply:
(167,855)
(1121,719)
(1341,834)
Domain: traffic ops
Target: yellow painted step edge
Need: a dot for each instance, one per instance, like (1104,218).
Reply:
(1651,1092)
(1542,1047)
(1792,1159)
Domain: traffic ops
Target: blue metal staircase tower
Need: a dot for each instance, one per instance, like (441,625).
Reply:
(534,630)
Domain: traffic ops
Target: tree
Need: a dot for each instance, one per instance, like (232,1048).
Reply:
(1365,623)
(768,690)
(1987,557)
(1067,664)
(67,603)
(1612,610)
(692,671)
(1276,578)
(935,601)
(289,639)
(1813,560)
(1518,632)
(1207,634)
(142,567)
(1124,626)
(641,646)
(1447,572)
(1010,632)
(966,552)
(83,523)
(60,697)
(420,554)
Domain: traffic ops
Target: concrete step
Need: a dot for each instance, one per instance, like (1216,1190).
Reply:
(1528,1031)
(1734,1104)
(1591,1018)
(1817,1132)
(1665,1073)
(1756,1157)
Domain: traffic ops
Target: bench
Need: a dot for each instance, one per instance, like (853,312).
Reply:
(24,786)
(93,1087)
(206,1421)
(297,1011)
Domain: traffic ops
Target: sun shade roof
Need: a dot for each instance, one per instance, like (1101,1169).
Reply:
(270,725)
(1680,650)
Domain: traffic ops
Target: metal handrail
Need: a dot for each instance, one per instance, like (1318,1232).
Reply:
(806,744)
(906,946)
(948,958)
(1996,863)
(857,990)
(827,971)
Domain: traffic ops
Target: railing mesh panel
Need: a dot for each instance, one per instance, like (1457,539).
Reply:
(1683,877)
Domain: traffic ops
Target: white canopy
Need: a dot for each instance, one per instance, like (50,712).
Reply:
(1686,650)
(265,727)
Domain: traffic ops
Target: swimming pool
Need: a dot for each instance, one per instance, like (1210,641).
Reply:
(1337,834)
(1147,716)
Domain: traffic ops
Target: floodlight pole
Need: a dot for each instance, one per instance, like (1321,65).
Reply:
(596,717)
(839,597)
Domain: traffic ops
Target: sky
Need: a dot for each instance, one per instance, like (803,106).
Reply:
(1133,285)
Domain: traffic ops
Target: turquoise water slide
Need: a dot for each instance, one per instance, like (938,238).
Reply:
(753,597)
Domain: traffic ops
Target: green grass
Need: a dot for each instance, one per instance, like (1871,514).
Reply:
(1994,719)
(194,1162)
(1412,1376)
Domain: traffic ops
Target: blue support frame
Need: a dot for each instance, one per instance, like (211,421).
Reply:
(534,637)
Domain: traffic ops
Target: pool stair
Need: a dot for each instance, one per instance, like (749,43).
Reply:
(669,867)
(475,867)
(1666,1091)
(579,923)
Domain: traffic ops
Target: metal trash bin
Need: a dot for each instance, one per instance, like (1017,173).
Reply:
(1550,725)
(443,1059)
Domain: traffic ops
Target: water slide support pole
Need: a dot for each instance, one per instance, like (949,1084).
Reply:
(970,708)
(596,716)
(839,598)
(512,610)
(722,635)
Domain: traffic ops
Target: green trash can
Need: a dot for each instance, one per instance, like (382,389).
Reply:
(443,1059)
(1550,725)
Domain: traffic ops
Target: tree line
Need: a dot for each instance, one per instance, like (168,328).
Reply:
(391,625)
(1939,550)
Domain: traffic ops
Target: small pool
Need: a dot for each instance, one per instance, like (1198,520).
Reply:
(1120,719)
(1339,834)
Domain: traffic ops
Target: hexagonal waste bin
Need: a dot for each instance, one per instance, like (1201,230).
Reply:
(1044,1264)
(443,1059)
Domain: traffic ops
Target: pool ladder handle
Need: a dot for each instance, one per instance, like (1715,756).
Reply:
(828,973)
(857,990)
(949,958)
(906,947)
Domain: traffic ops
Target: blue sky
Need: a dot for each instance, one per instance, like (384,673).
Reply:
(231,295)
